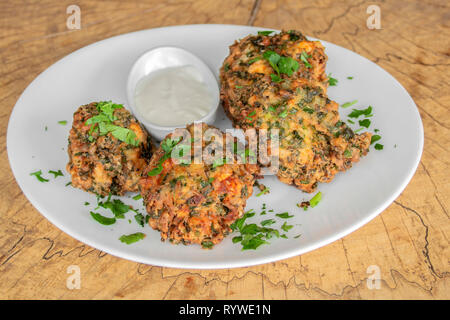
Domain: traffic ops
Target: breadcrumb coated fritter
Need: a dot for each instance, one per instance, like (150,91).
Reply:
(314,143)
(100,162)
(195,203)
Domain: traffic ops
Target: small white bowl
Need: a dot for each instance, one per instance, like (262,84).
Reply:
(167,57)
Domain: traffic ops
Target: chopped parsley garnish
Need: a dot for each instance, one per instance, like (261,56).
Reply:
(207,244)
(254,60)
(375,138)
(264,191)
(308,110)
(304,57)
(315,200)
(349,78)
(364,123)
(362,112)
(132,238)
(267,222)
(102,219)
(63,122)
(332,81)
(37,174)
(275,78)
(349,104)
(68,183)
(56,173)
(379,146)
(283,114)
(265,33)
(347,153)
(167,145)
(86,203)
(253,235)
(350,121)
(286,227)
(284,215)
(117,207)
(238,87)
(103,123)
(237,239)
(137,197)
(140,219)
(286,65)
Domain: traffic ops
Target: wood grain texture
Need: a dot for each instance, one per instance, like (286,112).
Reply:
(408,241)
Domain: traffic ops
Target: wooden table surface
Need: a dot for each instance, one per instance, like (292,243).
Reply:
(408,241)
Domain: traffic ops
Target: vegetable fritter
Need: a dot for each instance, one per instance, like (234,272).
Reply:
(314,143)
(108,149)
(195,203)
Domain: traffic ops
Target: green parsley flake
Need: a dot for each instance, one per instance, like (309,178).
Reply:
(265,33)
(286,227)
(103,124)
(56,173)
(284,215)
(38,176)
(62,122)
(315,200)
(267,222)
(286,65)
(349,78)
(332,81)
(357,113)
(349,104)
(308,110)
(364,123)
(375,138)
(264,191)
(102,219)
(254,60)
(347,153)
(379,146)
(275,78)
(167,145)
(140,219)
(116,206)
(137,197)
(132,238)
(304,57)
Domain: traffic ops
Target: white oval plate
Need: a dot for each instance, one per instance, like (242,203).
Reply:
(99,72)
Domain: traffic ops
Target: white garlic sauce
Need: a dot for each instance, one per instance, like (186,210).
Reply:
(173,96)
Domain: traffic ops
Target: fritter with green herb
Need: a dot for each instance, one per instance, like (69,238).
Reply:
(108,149)
(194,203)
(279,82)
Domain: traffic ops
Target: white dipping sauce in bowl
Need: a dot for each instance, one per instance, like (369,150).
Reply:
(173,96)
(168,88)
